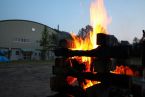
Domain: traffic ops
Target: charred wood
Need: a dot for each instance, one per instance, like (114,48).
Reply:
(101,52)
(122,81)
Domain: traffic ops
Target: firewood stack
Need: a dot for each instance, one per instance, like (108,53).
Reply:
(63,72)
(66,71)
(61,82)
(58,81)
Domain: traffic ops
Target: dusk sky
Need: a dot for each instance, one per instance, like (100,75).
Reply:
(128,16)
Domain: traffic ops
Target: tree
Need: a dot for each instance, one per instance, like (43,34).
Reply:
(53,39)
(44,42)
(83,33)
(136,40)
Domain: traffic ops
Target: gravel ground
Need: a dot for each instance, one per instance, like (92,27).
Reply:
(25,80)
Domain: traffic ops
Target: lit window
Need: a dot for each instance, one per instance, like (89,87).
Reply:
(33,29)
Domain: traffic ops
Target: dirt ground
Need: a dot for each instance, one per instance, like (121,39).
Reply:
(25,80)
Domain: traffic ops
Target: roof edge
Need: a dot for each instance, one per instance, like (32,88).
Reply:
(25,21)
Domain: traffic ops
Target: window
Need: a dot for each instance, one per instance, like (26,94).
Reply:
(19,39)
(22,40)
(17,52)
(39,54)
(37,41)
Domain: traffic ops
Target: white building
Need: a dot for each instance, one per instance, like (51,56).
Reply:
(20,39)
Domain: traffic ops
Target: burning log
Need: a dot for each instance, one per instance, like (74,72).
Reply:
(101,57)
(122,81)
(107,78)
(101,52)
(108,47)
(123,53)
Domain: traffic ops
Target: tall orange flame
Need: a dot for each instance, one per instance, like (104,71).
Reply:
(99,21)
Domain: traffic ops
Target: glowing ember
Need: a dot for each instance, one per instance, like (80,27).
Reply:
(90,83)
(99,22)
(123,70)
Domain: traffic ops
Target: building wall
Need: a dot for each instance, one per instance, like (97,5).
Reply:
(24,34)
(21,35)
(16,54)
